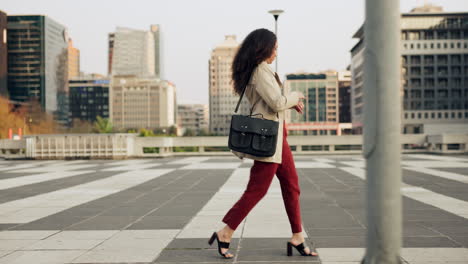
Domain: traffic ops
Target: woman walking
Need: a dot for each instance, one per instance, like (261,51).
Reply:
(250,70)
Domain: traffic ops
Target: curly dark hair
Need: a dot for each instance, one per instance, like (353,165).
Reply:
(256,47)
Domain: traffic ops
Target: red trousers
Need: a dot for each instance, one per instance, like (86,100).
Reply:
(261,175)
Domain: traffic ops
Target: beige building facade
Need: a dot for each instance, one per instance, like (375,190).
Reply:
(222,99)
(137,102)
(194,117)
(73,60)
(321,108)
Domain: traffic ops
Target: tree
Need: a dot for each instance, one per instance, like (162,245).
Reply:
(173,130)
(28,116)
(102,125)
(146,133)
(189,133)
(81,126)
(203,132)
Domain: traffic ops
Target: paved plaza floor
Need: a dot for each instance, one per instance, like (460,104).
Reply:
(164,210)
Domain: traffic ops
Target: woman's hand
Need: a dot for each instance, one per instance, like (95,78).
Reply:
(300,105)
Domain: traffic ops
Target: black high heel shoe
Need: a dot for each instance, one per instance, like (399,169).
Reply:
(300,248)
(220,245)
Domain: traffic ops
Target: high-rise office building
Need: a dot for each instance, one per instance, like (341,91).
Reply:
(3,55)
(193,117)
(89,97)
(321,111)
(344,94)
(38,63)
(434,72)
(222,99)
(135,52)
(110,52)
(138,102)
(73,60)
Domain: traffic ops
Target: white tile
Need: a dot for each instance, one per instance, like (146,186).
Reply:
(438,255)
(446,203)
(130,246)
(341,254)
(41,257)
(27,234)
(37,178)
(189,160)
(131,167)
(355,164)
(54,168)
(435,157)
(257,224)
(358,172)
(435,164)
(12,244)
(442,174)
(64,244)
(122,255)
(211,165)
(312,164)
(4,253)
(39,206)
(85,235)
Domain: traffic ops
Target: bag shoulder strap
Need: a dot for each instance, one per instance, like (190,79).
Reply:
(243,91)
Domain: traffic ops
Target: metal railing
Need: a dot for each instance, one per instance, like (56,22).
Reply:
(119,146)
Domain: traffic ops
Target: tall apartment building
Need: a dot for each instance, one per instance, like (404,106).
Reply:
(89,97)
(3,55)
(38,63)
(321,108)
(135,52)
(73,60)
(344,94)
(222,99)
(193,117)
(434,72)
(138,102)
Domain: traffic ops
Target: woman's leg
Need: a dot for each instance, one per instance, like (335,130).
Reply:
(261,175)
(289,181)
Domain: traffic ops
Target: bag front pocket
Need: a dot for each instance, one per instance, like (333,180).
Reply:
(241,139)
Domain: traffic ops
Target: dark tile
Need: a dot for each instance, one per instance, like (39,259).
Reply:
(275,254)
(199,243)
(423,242)
(462,240)
(160,222)
(335,232)
(7,226)
(339,241)
(191,255)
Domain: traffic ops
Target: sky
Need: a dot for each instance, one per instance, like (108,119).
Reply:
(312,35)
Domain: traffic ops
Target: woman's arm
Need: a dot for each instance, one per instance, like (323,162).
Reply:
(269,90)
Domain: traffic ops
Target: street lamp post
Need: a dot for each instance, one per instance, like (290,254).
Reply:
(382,149)
(276,14)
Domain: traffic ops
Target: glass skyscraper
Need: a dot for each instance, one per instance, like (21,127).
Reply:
(320,116)
(38,63)
(434,57)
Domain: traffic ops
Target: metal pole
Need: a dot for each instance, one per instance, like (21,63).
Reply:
(276,33)
(382,122)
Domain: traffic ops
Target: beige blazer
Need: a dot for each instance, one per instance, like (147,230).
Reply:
(264,93)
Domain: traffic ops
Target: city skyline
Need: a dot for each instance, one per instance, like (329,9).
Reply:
(189,34)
